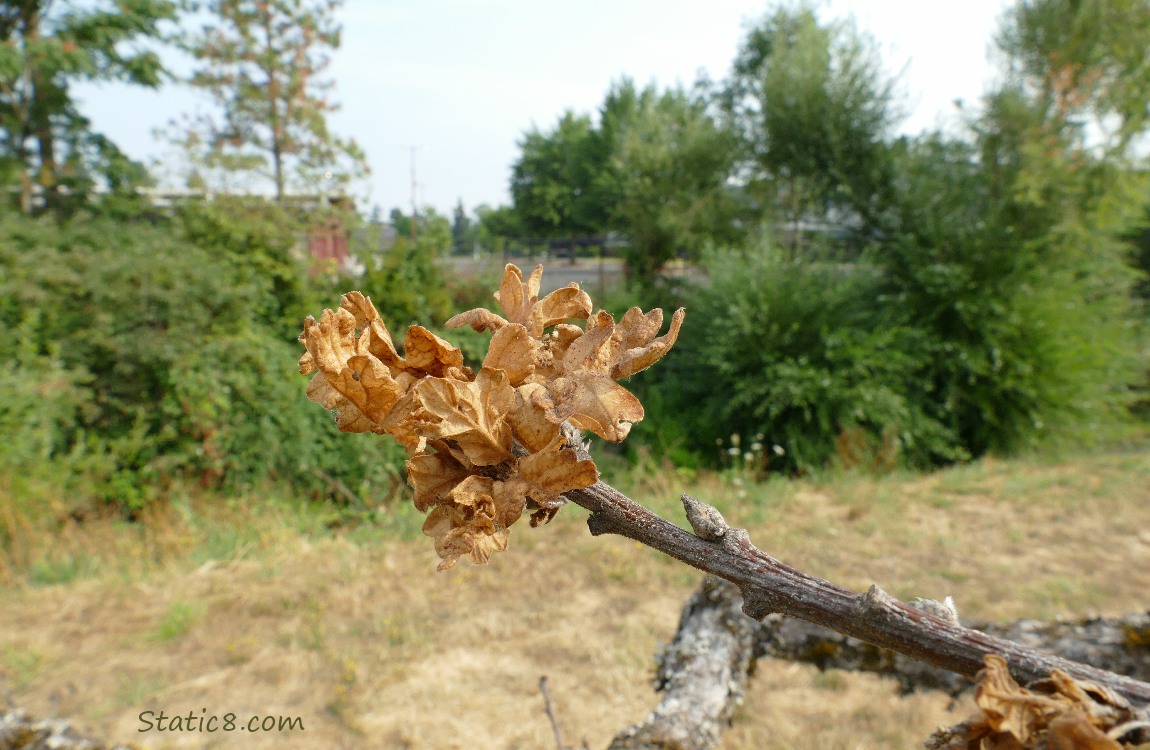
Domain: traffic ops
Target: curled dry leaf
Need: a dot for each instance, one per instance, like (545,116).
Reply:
(520,302)
(1058,713)
(485,447)
(471,414)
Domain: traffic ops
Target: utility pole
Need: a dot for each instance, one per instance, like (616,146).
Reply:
(414,186)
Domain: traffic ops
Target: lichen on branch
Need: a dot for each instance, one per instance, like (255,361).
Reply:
(484,448)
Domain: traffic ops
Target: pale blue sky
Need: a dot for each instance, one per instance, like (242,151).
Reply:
(464,79)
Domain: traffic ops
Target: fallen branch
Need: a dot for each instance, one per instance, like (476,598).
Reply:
(770,586)
(702,674)
(19,730)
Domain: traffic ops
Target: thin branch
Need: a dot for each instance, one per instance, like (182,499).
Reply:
(769,586)
(550,713)
(1106,643)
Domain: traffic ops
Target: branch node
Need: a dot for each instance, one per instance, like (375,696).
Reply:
(599,524)
(944,610)
(706,520)
(737,540)
(756,606)
(875,602)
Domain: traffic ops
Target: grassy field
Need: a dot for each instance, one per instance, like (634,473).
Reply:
(260,607)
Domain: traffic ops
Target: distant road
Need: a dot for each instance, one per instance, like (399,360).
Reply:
(593,275)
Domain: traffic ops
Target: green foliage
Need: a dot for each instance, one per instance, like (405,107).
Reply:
(463,230)
(655,170)
(47,147)
(433,232)
(993,308)
(258,243)
(1085,58)
(669,165)
(1012,266)
(497,227)
(406,284)
(141,358)
(796,352)
(553,181)
(814,110)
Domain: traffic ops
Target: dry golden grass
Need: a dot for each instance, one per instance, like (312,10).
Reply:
(254,607)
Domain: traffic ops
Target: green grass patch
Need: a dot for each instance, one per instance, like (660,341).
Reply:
(179,620)
(21,665)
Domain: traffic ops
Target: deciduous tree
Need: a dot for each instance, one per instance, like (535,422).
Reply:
(552,181)
(47,146)
(814,110)
(669,166)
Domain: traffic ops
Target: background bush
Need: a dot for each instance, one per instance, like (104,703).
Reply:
(802,354)
(139,356)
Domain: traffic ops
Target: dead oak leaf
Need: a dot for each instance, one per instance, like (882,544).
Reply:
(624,348)
(533,421)
(471,414)
(1008,707)
(553,347)
(513,350)
(1058,712)
(456,532)
(433,476)
(480,319)
(636,344)
(521,304)
(424,352)
(484,448)
(376,339)
(347,417)
(474,520)
(594,402)
(427,353)
(555,469)
(342,360)
(582,385)
(471,514)
(1073,730)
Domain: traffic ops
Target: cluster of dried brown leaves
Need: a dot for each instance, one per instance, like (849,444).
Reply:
(485,447)
(1057,713)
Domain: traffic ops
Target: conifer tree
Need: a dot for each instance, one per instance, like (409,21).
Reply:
(262,63)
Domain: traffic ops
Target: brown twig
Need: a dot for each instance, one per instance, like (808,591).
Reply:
(768,586)
(551,713)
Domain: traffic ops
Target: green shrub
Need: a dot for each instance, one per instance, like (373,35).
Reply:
(256,242)
(141,357)
(1011,267)
(801,353)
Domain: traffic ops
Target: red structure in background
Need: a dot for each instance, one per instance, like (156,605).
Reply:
(329,242)
(327,239)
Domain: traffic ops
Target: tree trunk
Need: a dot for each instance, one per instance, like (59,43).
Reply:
(25,106)
(276,124)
